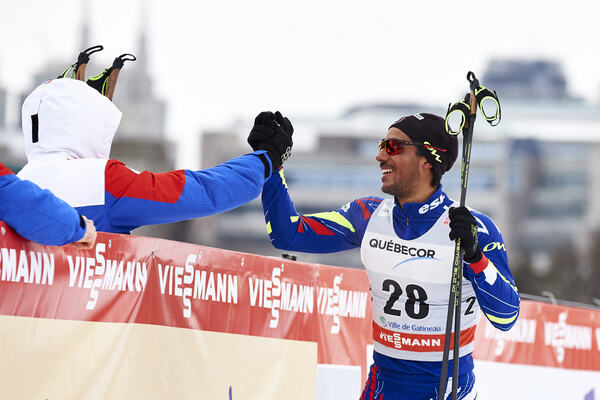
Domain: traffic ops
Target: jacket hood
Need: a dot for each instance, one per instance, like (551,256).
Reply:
(66,118)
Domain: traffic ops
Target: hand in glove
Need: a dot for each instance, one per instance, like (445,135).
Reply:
(464,226)
(272,132)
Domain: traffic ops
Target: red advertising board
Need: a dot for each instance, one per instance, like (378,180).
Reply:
(167,319)
(544,335)
(142,280)
(145,280)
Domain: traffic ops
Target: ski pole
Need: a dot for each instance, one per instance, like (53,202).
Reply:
(467,110)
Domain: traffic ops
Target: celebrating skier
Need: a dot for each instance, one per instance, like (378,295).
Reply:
(407,249)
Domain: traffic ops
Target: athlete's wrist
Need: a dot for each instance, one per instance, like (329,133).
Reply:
(478,265)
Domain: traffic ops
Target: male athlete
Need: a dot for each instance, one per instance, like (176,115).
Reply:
(407,249)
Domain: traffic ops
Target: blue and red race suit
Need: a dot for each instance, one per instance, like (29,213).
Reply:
(490,281)
(37,214)
(68,129)
(119,199)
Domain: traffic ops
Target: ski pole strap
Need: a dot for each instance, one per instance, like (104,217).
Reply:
(77,70)
(106,81)
(489,105)
(458,113)
(456,117)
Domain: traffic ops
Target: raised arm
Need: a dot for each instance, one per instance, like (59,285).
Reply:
(145,198)
(325,232)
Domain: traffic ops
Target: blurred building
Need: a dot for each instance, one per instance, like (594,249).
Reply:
(527,79)
(11,142)
(537,174)
(2,107)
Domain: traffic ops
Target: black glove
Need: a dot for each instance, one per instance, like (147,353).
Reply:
(464,226)
(272,132)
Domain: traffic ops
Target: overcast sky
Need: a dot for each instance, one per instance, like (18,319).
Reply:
(213,61)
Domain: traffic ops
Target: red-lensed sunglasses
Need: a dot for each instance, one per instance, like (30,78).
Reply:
(395,146)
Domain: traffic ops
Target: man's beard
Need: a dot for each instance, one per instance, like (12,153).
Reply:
(401,190)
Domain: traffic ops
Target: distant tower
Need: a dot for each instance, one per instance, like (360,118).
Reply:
(84,41)
(143,113)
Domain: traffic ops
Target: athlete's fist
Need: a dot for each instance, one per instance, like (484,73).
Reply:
(272,132)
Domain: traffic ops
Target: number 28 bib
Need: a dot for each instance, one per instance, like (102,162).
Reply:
(410,281)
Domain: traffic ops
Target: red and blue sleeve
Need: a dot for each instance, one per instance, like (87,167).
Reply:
(134,199)
(35,213)
(492,279)
(325,232)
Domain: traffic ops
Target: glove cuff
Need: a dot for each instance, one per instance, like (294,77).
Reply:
(271,167)
(480,265)
(275,161)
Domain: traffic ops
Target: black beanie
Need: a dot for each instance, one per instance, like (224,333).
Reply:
(430,128)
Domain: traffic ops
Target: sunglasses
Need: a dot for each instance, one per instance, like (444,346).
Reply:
(396,146)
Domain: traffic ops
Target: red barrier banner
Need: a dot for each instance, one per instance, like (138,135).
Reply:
(544,335)
(140,282)
(141,317)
